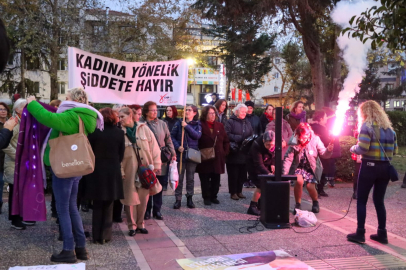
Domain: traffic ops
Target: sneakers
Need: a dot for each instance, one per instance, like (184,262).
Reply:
(234,197)
(357,237)
(18,225)
(315,207)
(332,182)
(253,209)
(246,185)
(251,185)
(381,237)
(66,256)
(29,223)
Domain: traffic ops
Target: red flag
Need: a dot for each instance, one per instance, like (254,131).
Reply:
(239,95)
(233,94)
(247,96)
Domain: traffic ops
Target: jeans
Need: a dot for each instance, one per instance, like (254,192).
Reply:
(155,199)
(190,169)
(372,174)
(66,191)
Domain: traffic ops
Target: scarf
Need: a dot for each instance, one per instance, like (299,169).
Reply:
(210,124)
(131,132)
(301,116)
(269,117)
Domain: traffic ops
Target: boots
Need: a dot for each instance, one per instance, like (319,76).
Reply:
(315,207)
(259,204)
(177,204)
(358,237)
(81,254)
(297,206)
(1,205)
(253,209)
(189,202)
(66,256)
(381,237)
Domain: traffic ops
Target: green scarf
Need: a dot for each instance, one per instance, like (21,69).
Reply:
(131,132)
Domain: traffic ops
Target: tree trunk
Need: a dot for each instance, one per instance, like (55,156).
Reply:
(22,74)
(336,83)
(54,53)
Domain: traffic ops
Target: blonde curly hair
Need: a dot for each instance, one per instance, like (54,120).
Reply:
(370,111)
(78,94)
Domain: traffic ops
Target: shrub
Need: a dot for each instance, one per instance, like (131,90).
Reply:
(345,165)
(398,119)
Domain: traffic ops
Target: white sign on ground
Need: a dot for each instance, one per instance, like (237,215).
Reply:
(78,266)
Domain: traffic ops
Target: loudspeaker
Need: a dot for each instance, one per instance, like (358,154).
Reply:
(275,199)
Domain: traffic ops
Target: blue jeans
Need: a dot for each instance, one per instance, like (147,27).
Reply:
(66,191)
(1,186)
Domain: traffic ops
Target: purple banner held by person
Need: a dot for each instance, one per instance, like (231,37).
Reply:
(29,197)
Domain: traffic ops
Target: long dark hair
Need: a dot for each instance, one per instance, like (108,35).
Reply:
(174,111)
(194,108)
(205,111)
(219,103)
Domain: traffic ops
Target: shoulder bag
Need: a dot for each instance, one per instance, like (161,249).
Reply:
(71,155)
(145,174)
(165,152)
(209,153)
(191,154)
(393,173)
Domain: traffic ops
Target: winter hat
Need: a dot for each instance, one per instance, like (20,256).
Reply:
(269,136)
(249,103)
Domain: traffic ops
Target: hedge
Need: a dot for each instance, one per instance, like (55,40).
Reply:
(398,119)
(345,165)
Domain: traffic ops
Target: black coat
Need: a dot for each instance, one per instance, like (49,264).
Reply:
(264,122)
(221,148)
(106,183)
(259,159)
(238,130)
(255,124)
(171,122)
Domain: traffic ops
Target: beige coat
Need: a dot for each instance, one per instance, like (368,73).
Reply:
(150,154)
(10,157)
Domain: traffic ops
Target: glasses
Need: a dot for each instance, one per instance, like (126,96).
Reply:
(189,110)
(3,110)
(153,110)
(211,113)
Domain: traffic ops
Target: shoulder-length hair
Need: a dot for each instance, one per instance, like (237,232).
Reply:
(109,117)
(145,108)
(219,103)
(370,111)
(269,105)
(205,112)
(6,107)
(174,111)
(295,104)
(194,108)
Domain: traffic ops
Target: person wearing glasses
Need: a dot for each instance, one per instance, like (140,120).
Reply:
(303,159)
(163,137)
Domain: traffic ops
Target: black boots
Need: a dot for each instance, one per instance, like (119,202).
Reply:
(358,237)
(66,256)
(381,237)
(177,204)
(315,207)
(190,203)
(253,209)
(81,254)
(1,204)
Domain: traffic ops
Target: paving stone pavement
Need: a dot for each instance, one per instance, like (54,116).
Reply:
(216,230)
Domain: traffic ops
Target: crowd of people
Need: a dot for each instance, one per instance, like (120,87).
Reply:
(243,144)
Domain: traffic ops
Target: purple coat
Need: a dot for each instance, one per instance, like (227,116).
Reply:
(28,197)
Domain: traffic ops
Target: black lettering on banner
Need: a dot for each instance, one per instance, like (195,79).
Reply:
(174,70)
(135,69)
(162,85)
(157,70)
(79,60)
(143,69)
(128,87)
(88,79)
(104,80)
(83,76)
(169,68)
(112,83)
(140,84)
(155,82)
(120,86)
(148,86)
(121,72)
(150,71)
(106,64)
(95,80)
(113,68)
(168,85)
(97,64)
(88,63)
(162,71)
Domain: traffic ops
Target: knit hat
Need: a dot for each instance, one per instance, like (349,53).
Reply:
(249,103)
(269,136)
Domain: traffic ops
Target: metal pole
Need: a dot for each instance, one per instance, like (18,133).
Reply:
(278,144)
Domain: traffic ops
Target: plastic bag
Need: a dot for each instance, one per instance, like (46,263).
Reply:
(305,218)
(173,175)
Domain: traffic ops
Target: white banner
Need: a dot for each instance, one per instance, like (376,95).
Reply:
(107,80)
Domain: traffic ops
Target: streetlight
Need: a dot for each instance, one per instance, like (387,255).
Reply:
(190,61)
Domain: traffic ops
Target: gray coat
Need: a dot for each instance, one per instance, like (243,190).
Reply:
(10,155)
(314,149)
(163,136)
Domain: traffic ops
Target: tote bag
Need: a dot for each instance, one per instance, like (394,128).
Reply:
(71,155)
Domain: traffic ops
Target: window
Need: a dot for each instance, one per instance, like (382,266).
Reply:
(61,87)
(36,87)
(10,59)
(98,29)
(207,88)
(32,64)
(277,61)
(396,103)
(212,60)
(61,39)
(276,89)
(389,86)
(61,64)
(276,75)
(387,104)
(74,41)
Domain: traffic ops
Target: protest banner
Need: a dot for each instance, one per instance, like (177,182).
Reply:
(108,80)
(277,259)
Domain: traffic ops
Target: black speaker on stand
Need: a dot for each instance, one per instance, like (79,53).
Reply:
(275,189)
